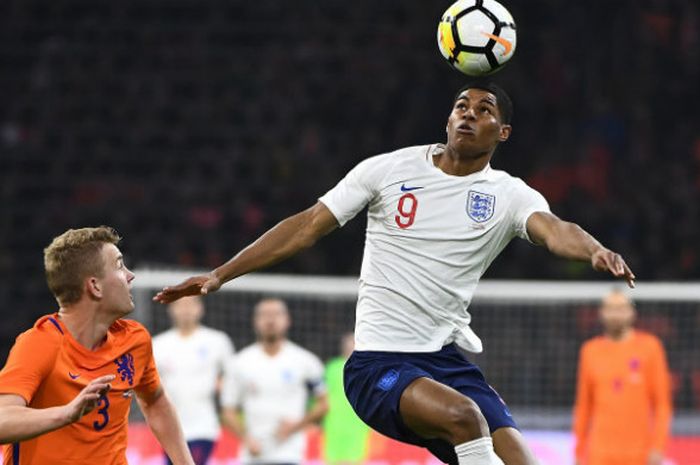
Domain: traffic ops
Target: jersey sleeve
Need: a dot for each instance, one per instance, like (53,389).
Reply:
(150,380)
(583,404)
(660,395)
(29,363)
(357,188)
(231,387)
(526,202)
(315,375)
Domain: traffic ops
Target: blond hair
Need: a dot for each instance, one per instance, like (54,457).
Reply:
(72,257)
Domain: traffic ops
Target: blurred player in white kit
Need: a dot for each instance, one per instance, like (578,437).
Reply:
(270,383)
(191,359)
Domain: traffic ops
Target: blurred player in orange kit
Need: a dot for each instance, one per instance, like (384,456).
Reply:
(66,389)
(623,401)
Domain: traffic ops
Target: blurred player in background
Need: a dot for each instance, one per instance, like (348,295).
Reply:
(623,401)
(344,434)
(438,216)
(66,389)
(269,383)
(191,359)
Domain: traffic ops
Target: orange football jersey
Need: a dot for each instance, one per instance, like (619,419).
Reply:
(623,400)
(48,368)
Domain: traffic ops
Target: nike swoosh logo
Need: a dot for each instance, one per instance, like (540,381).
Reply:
(409,189)
(507,44)
(72,376)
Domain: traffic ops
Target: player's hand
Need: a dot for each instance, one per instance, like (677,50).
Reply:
(285,429)
(86,401)
(655,458)
(196,285)
(606,260)
(253,445)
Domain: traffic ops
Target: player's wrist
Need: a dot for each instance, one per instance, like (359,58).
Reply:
(64,415)
(217,275)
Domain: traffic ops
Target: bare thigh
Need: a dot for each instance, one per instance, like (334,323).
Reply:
(433,410)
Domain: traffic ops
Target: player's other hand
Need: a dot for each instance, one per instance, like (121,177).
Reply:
(86,401)
(606,260)
(655,458)
(285,429)
(196,285)
(253,445)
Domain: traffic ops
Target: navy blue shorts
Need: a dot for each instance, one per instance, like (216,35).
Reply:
(374,382)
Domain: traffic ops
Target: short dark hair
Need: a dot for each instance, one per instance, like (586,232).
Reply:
(503,101)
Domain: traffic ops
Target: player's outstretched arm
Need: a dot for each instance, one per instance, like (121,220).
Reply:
(18,422)
(163,421)
(569,240)
(288,237)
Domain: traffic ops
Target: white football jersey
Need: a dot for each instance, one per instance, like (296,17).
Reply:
(430,238)
(270,389)
(189,368)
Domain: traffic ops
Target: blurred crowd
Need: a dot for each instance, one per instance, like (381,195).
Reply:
(192,127)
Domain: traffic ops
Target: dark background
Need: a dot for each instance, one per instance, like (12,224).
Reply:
(192,126)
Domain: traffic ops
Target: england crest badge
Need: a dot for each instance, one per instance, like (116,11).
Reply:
(480,206)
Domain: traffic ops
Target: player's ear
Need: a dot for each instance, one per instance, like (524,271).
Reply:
(504,133)
(93,288)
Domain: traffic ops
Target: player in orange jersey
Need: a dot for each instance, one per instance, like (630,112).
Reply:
(66,389)
(623,401)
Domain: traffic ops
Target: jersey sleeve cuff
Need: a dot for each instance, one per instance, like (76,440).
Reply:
(334,211)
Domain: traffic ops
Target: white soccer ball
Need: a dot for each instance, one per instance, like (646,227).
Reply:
(476,37)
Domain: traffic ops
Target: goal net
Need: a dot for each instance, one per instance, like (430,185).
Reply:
(532,331)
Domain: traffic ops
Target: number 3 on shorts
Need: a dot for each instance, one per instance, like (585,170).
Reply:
(408,204)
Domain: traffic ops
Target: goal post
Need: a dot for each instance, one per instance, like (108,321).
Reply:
(532,330)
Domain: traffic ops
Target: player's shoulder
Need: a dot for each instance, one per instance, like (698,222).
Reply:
(414,152)
(646,338)
(213,334)
(46,331)
(251,352)
(594,343)
(164,337)
(506,179)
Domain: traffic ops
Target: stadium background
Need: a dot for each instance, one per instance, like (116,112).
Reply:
(193,126)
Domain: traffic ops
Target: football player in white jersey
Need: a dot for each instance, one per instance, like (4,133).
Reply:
(438,215)
(191,359)
(269,383)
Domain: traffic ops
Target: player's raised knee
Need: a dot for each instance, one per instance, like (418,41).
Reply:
(465,422)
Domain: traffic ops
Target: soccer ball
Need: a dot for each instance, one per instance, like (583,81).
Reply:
(476,37)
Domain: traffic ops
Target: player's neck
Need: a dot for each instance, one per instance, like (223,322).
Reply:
(272,347)
(455,164)
(621,335)
(186,331)
(86,326)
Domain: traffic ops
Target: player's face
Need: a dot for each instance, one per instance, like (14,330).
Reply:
(186,312)
(271,320)
(115,283)
(474,127)
(616,313)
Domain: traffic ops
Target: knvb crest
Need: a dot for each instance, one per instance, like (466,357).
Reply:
(125,367)
(480,206)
